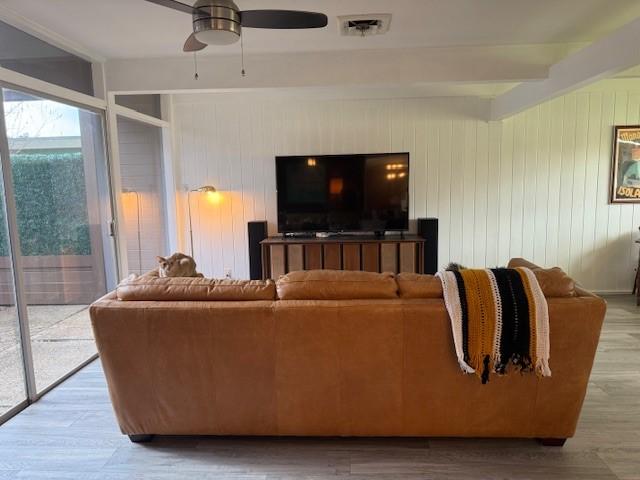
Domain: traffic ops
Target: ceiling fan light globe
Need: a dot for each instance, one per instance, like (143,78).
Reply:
(217,37)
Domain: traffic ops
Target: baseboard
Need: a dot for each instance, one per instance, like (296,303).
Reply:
(612,292)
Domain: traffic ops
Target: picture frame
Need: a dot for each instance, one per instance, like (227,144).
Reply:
(625,164)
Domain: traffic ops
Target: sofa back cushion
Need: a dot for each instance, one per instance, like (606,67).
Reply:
(554,282)
(336,285)
(153,288)
(414,285)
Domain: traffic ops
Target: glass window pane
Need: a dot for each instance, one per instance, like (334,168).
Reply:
(12,380)
(57,154)
(26,54)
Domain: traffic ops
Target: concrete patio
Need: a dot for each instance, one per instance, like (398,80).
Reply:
(61,340)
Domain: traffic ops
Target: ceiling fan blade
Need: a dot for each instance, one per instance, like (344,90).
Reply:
(282,19)
(193,44)
(181,7)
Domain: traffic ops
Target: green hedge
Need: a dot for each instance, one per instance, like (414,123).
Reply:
(51,204)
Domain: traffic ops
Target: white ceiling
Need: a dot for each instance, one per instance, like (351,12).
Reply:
(134,28)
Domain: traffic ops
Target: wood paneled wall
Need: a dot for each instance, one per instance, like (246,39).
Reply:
(535,185)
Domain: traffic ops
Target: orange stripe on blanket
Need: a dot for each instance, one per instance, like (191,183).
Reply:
(481,319)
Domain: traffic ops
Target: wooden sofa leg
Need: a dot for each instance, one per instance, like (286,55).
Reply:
(552,442)
(141,438)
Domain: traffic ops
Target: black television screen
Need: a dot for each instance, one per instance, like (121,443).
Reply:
(343,193)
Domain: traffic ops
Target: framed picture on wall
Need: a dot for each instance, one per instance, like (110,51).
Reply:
(625,169)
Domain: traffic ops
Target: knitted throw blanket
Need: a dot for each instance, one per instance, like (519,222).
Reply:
(498,317)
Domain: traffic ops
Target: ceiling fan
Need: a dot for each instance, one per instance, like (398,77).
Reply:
(220,22)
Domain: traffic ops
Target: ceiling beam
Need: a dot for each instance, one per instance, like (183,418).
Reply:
(604,58)
(407,66)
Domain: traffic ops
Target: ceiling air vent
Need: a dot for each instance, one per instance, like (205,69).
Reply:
(364,25)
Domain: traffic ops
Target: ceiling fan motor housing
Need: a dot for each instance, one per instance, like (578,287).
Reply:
(216,22)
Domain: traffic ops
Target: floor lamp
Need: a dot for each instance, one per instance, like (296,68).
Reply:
(203,189)
(134,192)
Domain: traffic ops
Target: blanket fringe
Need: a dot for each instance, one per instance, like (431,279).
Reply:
(542,368)
(465,367)
(485,369)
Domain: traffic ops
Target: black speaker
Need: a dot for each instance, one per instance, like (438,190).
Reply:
(257,232)
(428,229)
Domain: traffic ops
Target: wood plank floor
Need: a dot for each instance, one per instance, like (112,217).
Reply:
(72,434)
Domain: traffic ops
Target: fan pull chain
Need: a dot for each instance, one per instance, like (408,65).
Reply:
(195,66)
(242,56)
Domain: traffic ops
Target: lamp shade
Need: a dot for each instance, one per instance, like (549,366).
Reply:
(205,189)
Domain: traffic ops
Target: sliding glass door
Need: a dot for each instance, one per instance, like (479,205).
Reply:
(60,198)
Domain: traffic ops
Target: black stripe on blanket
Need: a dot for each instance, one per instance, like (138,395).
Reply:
(514,342)
(462,293)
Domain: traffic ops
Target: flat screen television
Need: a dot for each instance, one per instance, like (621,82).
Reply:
(343,193)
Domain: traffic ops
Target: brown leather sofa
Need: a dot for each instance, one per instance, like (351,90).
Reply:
(328,353)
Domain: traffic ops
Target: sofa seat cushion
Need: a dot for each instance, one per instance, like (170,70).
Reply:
(153,288)
(554,282)
(336,285)
(414,285)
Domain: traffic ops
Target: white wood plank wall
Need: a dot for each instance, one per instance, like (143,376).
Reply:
(535,185)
